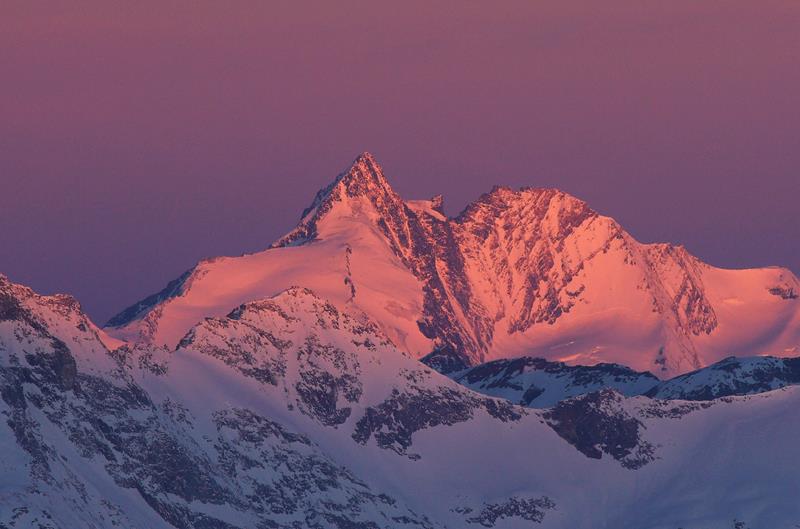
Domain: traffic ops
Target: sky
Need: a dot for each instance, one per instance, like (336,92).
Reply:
(139,137)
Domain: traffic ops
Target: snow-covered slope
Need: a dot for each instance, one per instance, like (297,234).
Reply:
(94,439)
(537,383)
(290,412)
(731,376)
(532,272)
(351,265)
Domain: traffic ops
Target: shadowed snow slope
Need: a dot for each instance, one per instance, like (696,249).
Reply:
(731,376)
(537,383)
(531,272)
(291,412)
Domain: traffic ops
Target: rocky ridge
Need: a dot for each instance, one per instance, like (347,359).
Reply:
(518,272)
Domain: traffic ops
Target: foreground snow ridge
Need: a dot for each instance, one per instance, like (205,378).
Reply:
(529,272)
(290,411)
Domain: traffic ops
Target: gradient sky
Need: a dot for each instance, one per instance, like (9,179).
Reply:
(137,139)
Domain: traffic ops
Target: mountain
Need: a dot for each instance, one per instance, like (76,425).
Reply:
(531,272)
(284,389)
(289,412)
(90,440)
(731,376)
(537,383)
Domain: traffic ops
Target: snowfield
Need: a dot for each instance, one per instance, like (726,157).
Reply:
(289,412)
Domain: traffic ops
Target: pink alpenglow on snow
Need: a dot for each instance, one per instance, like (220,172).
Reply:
(529,272)
(551,305)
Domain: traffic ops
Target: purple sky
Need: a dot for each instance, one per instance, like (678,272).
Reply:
(136,140)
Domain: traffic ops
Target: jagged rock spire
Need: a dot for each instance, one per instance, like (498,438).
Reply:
(363,178)
(437,203)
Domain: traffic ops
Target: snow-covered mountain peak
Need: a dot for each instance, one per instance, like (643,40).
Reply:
(534,199)
(293,300)
(526,272)
(302,307)
(257,334)
(20,303)
(361,190)
(37,329)
(531,211)
(365,176)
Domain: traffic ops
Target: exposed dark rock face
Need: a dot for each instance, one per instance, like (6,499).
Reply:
(57,364)
(437,204)
(729,377)
(688,302)
(248,355)
(784,292)
(538,383)
(542,301)
(666,409)
(598,424)
(530,509)
(252,447)
(10,308)
(112,422)
(535,382)
(446,360)
(502,371)
(320,389)
(393,422)
(319,394)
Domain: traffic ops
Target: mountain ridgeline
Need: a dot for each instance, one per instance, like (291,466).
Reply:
(532,272)
(524,364)
(538,383)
